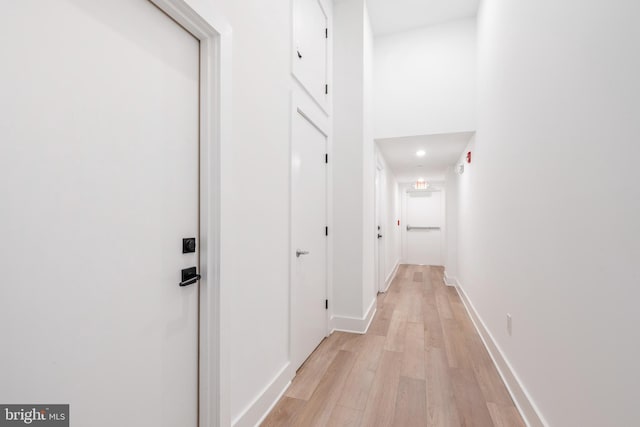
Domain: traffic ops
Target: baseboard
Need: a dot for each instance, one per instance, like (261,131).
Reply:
(391,276)
(258,410)
(354,325)
(527,408)
(449,280)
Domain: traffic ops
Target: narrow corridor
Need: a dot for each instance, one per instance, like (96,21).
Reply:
(421,363)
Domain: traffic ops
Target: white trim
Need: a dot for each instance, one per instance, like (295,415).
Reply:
(354,325)
(523,401)
(214,35)
(391,276)
(259,408)
(449,280)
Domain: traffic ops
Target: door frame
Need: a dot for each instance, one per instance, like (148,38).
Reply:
(214,35)
(307,108)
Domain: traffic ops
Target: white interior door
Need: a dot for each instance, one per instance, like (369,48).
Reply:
(98,185)
(309,257)
(380,252)
(310,53)
(424,228)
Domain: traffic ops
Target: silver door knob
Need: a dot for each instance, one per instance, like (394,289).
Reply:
(299,252)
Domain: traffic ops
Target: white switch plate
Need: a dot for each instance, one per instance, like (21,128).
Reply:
(509,329)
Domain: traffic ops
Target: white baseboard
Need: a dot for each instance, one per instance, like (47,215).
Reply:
(391,276)
(527,408)
(450,280)
(257,411)
(354,325)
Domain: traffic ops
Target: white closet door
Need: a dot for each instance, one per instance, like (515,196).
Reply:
(310,55)
(309,257)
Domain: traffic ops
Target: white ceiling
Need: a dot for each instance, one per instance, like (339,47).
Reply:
(390,16)
(442,151)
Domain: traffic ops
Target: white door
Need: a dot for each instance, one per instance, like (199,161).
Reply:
(424,228)
(380,252)
(310,53)
(309,257)
(98,187)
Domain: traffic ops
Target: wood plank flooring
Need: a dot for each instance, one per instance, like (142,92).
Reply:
(421,363)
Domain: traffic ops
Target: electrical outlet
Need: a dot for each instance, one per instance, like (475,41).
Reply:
(509,327)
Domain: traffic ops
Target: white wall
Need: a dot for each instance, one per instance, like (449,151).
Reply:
(353,164)
(255,200)
(425,80)
(347,159)
(549,208)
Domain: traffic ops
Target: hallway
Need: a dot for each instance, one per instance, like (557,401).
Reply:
(437,199)
(420,363)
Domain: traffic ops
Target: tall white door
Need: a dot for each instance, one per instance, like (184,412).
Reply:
(98,187)
(311,45)
(309,257)
(423,232)
(380,220)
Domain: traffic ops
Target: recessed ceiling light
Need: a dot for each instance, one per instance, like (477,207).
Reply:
(420,153)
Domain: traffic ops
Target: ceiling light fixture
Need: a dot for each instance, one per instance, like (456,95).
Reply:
(421,153)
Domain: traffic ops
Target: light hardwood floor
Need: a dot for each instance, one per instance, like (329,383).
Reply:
(421,363)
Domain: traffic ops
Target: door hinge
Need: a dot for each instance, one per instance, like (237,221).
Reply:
(326,157)
(326,33)
(326,304)
(326,89)
(326,231)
